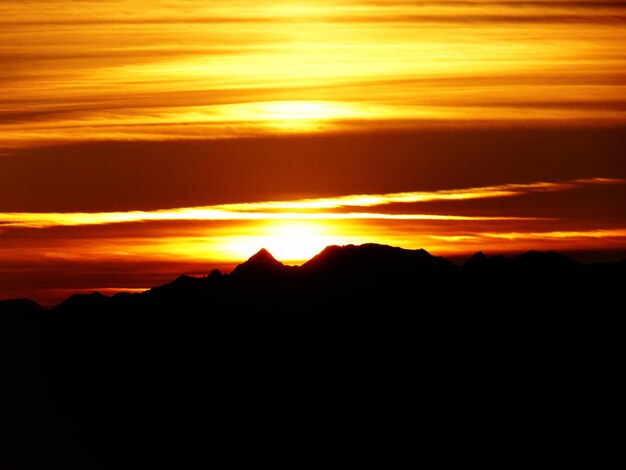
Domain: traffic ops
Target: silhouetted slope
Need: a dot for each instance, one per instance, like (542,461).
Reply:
(366,350)
(259,265)
(372,260)
(476,261)
(19,306)
(535,262)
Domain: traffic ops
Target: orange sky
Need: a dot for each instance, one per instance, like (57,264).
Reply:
(144,139)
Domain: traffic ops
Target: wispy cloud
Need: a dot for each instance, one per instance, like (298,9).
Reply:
(568,239)
(306,209)
(557,234)
(370,200)
(84,70)
(46,220)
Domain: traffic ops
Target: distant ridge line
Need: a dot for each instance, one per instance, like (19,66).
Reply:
(363,261)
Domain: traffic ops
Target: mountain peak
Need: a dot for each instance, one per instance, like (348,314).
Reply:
(263,255)
(261,262)
(476,260)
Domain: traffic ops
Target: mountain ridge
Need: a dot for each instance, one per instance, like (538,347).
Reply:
(500,358)
(361,260)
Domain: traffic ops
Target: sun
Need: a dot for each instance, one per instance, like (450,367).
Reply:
(304,116)
(300,110)
(286,241)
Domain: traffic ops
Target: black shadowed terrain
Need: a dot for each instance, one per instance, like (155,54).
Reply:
(364,353)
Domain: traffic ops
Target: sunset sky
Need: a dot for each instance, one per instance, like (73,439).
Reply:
(144,139)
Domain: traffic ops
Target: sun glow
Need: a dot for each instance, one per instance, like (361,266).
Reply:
(286,110)
(288,242)
(299,115)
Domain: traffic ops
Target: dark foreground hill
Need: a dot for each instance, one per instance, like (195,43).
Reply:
(363,354)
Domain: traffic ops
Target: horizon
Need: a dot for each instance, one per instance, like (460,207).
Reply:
(145,140)
(49,298)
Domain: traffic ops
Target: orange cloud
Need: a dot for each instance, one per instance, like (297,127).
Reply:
(303,209)
(84,70)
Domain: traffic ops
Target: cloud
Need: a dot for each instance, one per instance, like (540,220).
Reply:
(558,234)
(76,71)
(306,209)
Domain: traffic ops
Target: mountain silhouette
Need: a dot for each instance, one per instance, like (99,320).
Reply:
(20,306)
(261,264)
(476,261)
(374,260)
(362,354)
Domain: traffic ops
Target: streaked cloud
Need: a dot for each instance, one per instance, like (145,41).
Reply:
(45,220)
(563,240)
(84,70)
(305,209)
(369,200)
(558,235)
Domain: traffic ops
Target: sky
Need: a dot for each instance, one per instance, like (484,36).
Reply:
(141,140)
